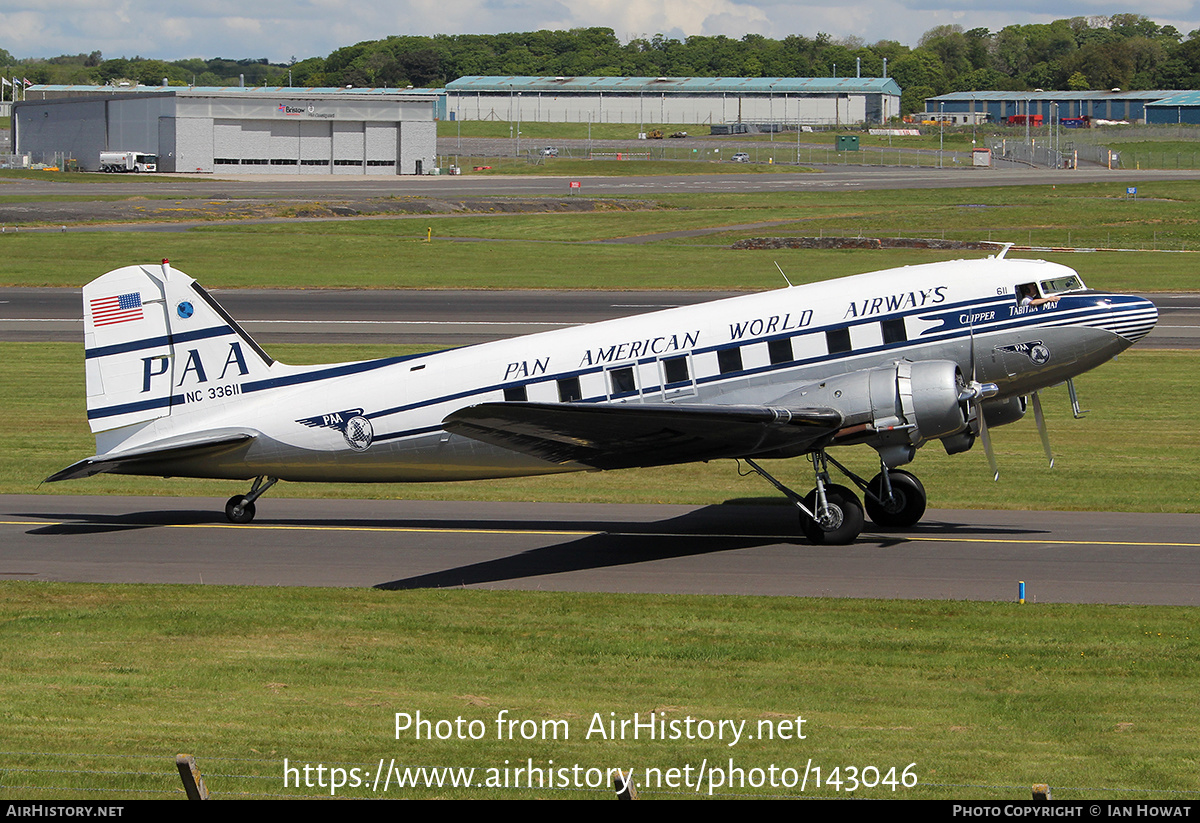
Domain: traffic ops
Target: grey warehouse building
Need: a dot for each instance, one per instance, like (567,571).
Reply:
(699,100)
(1000,105)
(237,130)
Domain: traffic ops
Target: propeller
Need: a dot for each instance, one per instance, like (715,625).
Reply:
(975,393)
(1040,419)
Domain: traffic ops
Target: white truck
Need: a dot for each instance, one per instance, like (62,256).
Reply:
(121,161)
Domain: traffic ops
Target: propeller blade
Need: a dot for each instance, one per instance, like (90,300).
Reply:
(1041,427)
(977,391)
(987,443)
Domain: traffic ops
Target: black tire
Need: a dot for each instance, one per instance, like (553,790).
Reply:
(848,514)
(239,510)
(908,506)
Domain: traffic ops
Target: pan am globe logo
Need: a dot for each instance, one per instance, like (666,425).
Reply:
(358,433)
(1035,350)
(357,430)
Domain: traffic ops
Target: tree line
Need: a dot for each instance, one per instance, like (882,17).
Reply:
(1127,51)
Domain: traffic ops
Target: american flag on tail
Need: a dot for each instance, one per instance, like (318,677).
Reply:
(120,308)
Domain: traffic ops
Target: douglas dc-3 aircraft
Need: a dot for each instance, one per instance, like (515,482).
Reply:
(893,359)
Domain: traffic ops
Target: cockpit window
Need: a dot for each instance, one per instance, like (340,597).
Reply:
(1026,292)
(1028,296)
(1059,285)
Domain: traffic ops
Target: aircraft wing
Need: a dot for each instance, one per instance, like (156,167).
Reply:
(174,448)
(622,436)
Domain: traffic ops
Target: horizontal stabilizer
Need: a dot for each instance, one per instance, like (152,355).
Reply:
(621,436)
(174,448)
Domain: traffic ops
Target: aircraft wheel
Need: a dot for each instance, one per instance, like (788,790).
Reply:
(908,505)
(239,510)
(845,517)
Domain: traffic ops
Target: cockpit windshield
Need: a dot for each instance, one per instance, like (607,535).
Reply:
(1059,285)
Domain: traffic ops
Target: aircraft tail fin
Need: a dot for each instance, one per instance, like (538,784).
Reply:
(153,338)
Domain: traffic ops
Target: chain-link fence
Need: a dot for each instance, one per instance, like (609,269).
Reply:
(1032,153)
(34,161)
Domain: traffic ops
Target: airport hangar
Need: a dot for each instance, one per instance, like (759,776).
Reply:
(678,100)
(236,129)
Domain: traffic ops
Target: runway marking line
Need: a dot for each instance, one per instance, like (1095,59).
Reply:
(284,527)
(581,533)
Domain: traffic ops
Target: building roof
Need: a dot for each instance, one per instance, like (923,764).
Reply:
(1178,98)
(967,96)
(210,91)
(676,85)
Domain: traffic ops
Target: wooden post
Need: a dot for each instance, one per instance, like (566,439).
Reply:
(193,783)
(623,785)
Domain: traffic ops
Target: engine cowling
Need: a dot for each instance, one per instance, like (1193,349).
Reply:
(895,408)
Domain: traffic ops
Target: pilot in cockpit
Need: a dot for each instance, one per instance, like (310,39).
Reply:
(1027,295)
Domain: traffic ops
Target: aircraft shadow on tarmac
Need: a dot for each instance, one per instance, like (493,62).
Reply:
(706,530)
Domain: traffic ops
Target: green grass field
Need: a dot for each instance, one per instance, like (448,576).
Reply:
(559,250)
(102,685)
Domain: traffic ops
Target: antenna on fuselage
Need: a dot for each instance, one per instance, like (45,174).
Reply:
(1004,247)
(785,277)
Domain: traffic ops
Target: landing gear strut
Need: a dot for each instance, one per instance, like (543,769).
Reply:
(832,514)
(829,514)
(240,508)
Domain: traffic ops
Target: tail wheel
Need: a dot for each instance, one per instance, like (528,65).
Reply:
(906,506)
(843,522)
(239,510)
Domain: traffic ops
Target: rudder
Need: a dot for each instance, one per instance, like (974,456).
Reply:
(152,335)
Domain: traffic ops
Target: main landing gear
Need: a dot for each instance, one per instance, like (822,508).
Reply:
(240,508)
(832,514)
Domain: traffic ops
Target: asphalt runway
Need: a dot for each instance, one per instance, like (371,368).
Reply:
(830,178)
(441,318)
(1077,557)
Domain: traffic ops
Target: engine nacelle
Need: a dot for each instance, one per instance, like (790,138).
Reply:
(894,408)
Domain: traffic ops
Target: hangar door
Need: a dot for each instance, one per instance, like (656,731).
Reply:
(365,148)
(305,146)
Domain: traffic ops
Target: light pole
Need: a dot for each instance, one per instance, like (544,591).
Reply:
(1053,130)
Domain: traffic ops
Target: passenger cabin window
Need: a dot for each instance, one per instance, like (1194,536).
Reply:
(730,360)
(675,370)
(893,330)
(838,340)
(780,351)
(568,390)
(516,394)
(622,381)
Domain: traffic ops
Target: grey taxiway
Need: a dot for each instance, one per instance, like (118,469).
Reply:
(1080,557)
